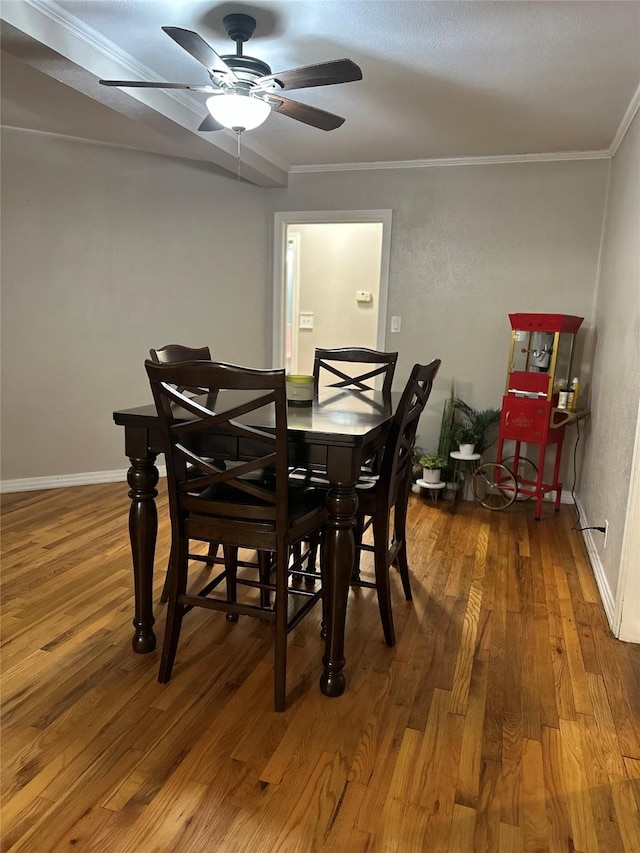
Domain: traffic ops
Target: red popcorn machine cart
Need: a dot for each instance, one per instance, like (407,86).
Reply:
(540,399)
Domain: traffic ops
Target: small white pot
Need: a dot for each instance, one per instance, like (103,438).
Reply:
(431,475)
(466,449)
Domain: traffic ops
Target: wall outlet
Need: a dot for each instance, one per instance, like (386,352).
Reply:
(606,532)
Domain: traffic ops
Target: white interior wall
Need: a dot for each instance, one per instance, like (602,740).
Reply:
(611,431)
(335,261)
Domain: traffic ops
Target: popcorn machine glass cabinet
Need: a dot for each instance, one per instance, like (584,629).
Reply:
(541,354)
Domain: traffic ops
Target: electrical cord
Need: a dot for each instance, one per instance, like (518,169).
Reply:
(573,487)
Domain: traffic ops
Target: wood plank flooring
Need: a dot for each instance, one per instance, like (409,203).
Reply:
(506,719)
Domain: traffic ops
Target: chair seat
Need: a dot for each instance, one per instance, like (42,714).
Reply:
(303,477)
(302,502)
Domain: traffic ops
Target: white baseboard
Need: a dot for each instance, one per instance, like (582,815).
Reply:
(608,601)
(61,481)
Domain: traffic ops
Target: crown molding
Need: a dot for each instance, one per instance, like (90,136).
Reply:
(628,117)
(455,161)
(110,51)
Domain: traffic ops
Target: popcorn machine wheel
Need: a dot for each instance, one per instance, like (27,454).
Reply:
(540,365)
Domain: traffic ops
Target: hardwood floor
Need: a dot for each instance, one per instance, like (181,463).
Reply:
(506,719)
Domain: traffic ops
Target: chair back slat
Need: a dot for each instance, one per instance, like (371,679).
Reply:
(395,468)
(172,353)
(328,359)
(257,487)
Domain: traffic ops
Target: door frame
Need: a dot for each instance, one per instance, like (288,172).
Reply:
(295,331)
(282,220)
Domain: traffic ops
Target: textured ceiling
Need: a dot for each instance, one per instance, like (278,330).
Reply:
(440,79)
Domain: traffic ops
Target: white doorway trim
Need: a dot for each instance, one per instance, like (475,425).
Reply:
(293,241)
(298,217)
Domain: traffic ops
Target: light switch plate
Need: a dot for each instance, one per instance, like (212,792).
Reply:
(305,321)
(396,323)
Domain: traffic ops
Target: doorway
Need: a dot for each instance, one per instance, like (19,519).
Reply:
(331,273)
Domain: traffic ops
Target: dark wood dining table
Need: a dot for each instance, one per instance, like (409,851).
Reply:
(341,429)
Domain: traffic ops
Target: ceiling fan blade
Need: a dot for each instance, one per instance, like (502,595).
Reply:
(209,123)
(322,74)
(304,113)
(200,50)
(139,84)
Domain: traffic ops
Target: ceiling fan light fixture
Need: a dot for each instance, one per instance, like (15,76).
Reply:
(237,111)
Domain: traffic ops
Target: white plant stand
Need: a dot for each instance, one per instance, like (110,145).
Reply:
(434,488)
(464,466)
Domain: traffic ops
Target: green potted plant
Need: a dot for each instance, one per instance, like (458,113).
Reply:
(432,465)
(466,438)
(483,422)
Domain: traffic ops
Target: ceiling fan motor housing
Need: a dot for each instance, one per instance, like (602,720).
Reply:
(239,27)
(246,67)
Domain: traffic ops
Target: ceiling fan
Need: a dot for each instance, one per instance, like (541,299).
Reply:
(243,91)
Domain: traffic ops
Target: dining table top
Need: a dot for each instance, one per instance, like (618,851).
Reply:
(335,416)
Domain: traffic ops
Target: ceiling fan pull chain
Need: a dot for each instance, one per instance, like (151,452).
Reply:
(238,133)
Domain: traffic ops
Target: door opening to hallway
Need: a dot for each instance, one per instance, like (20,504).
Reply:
(331,284)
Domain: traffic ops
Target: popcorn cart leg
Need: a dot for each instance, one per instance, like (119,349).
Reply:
(556,474)
(539,490)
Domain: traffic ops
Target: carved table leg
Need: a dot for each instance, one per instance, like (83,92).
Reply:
(337,561)
(143,528)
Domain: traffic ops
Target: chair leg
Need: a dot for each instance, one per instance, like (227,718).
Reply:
(358,533)
(400,535)
(212,554)
(403,568)
(281,606)
(296,553)
(231,570)
(380,556)
(177,577)
(164,595)
(312,559)
(264,573)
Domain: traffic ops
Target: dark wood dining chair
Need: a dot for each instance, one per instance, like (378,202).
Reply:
(349,369)
(241,507)
(390,491)
(172,354)
(352,369)
(366,364)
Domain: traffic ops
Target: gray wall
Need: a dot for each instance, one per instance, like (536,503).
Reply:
(469,245)
(105,253)
(108,252)
(616,363)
